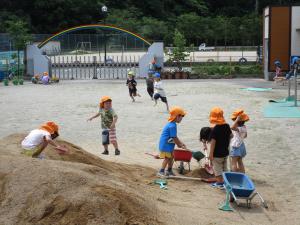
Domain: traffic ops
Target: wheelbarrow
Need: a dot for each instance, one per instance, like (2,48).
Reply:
(185,156)
(241,187)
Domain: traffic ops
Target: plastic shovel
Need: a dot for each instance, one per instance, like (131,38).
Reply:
(162,183)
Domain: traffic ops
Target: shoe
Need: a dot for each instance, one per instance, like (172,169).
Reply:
(170,173)
(117,152)
(161,173)
(105,152)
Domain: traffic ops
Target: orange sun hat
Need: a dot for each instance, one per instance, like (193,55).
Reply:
(51,127)
(45,74)
(175,111)
(216,116)
(104,99)
(240,112)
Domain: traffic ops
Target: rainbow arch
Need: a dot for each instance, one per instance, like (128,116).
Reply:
(82,27)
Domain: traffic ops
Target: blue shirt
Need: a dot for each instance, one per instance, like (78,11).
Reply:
(169,131)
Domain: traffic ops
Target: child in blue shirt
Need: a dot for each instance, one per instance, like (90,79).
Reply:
(168,139)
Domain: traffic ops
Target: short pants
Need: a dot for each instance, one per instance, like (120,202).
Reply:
(164,155)
(30,152)
(157,96)
(238,151)
(219,166)
(132,92)
(109,136)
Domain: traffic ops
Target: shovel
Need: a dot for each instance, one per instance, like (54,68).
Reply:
(207,166)
(162,183)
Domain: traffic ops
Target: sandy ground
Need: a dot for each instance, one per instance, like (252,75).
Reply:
(273,145)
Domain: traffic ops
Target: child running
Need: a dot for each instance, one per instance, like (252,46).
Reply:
(238,149)
(219,143)
(159,92)
(150,86)
(108,123)
(131,83)
(37,140)
(168,139)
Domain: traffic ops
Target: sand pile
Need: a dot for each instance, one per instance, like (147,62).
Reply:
(77,188)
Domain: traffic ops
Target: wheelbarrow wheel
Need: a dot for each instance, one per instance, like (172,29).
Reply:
(181,168)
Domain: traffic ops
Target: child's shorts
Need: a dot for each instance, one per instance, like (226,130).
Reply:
(132,92)
(157,96)
(30,152)
(238,151)
(219,166)
(109,136)
(167,155)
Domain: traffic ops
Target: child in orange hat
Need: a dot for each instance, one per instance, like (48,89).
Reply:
(219,143)
(168,139)
(37,140)
(108,123)
(238,149)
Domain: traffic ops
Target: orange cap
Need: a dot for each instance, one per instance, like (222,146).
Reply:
(51,127)
(174,112)
(45,74)
(104,99)
(216,116)
(240,112)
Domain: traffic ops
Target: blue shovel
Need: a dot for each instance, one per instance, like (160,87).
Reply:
(162,183)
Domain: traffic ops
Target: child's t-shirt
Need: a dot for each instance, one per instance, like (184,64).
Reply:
(107,117)
(239,136)
(221,133)
(158,88)
(165,142)
(131,83)
(35,138)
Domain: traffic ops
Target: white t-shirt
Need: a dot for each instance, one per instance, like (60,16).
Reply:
(239,136)
(158,88)
(35,138)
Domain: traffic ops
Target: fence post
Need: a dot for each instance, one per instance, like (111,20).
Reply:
(94,65)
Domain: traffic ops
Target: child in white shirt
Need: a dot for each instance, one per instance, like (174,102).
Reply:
(159,92)
(238,149)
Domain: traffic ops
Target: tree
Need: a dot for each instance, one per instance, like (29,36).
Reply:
(20,36)
(180,51)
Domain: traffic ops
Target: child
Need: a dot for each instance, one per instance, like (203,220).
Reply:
(159,91)
(277,68)
(45,78)
(219,144)
(108,123)
(131,83)
(150,86)
(168,139)
(294,66)
(205,136)
(238,150)
(37,140)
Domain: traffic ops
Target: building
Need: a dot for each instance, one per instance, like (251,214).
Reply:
(281,37)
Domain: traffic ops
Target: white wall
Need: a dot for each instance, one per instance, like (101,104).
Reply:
(295,36)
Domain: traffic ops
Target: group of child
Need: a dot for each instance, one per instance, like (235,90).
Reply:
(224,141)
(220,136)
(294,65)
(154,88)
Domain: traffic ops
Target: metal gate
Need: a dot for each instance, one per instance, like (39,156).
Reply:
(75,67)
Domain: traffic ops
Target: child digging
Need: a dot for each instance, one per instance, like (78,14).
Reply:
(219,143)
(131,83)
(238,149)
(37,140)
(108,123)
(168,139)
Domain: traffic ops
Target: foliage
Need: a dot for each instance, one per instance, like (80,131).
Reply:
(218,22)
(180,52)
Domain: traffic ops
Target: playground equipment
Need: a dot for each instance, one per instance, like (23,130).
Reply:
(293,98)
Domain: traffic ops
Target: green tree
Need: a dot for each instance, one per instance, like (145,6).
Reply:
(20,36)
(180,52)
